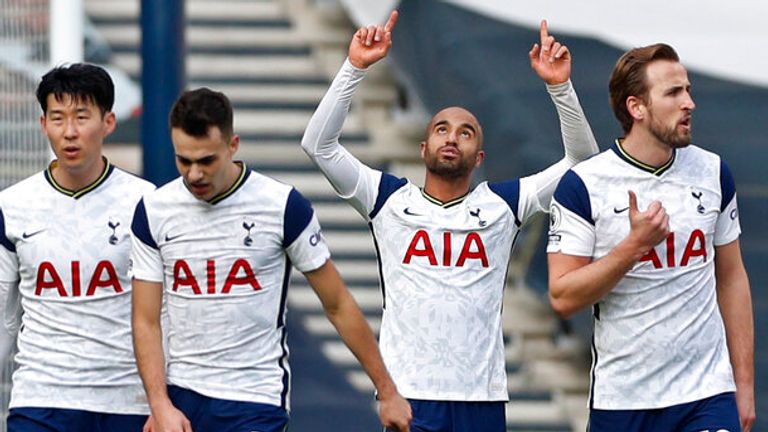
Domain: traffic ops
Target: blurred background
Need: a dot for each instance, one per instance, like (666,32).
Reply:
(275,59)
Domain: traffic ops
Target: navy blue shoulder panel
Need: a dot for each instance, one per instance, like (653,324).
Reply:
(3,238)
(387,186)
(572,194)
(140,225)
(727,185)
(509,191)
(298,214)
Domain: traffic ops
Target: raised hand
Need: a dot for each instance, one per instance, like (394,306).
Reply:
(647,228)
(551,60)
(371,44)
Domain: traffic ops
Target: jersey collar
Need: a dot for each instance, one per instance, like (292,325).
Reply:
(244,173)
(657,171)
(108,168)
(446,204)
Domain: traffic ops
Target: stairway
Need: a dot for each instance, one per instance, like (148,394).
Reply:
(275,59)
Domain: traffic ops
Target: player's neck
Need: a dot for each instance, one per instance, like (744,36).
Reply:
(446,189)
(646,148)
(75,179)
(234,170)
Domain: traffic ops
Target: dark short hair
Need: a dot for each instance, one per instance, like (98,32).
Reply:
(629,78)
(196,111)
(83,82)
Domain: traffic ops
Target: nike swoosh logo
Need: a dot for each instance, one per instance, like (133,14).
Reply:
(28,235)
(408,211)
(169,238)
(618,210)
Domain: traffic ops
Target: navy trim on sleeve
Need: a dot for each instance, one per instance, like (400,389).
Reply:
(509,191)
(140,225)
(387,186)
(3,238)
(572,194)
(727,185)
(298,214)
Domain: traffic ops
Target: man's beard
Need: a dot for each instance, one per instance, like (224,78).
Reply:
(669,136)
(449,170)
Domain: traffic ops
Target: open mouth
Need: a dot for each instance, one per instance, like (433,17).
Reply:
(449,152)
(199,189)
(71,151)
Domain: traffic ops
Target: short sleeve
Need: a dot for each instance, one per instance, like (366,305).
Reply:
(146,262)
(727,228)
(302,237)
(9,265)
(571,227)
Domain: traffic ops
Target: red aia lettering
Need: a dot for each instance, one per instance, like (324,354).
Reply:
(473,238)
(426,250)
(183,276)
(104,276)
(421,246)
(696,246)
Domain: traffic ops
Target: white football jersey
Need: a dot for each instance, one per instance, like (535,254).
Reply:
(68,253)
(659,338)
(443,265)
(225,266)
(443,269)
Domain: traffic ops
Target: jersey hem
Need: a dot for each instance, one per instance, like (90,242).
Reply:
(455,397)
(664,403)
(43,403)
(202,389)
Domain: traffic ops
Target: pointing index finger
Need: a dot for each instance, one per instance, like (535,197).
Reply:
(543,31)
(391,21)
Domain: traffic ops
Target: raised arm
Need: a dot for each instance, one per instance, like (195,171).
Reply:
(321,138)
(343,312)
(551,61)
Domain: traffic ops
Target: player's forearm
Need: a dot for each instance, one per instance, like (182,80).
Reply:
(321,138)
(573,290)
(150,360)
(11,317)
(324,128)
(578,140)
(735,304)
(147,341)
(357,335)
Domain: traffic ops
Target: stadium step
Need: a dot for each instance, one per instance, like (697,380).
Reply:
(262,55)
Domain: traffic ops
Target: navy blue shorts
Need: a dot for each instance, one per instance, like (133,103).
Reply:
(454,416)
(210,414)
(715,414)
(71,420)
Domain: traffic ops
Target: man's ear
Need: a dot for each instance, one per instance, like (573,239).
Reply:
(636,108)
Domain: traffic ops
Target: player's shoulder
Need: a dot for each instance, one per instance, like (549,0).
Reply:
(167,193)
(596,163)
(128,185)
(26,189)
(265,183)
(132,180)
(693,153)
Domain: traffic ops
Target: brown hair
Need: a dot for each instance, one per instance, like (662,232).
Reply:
(629,79)
(195,111)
